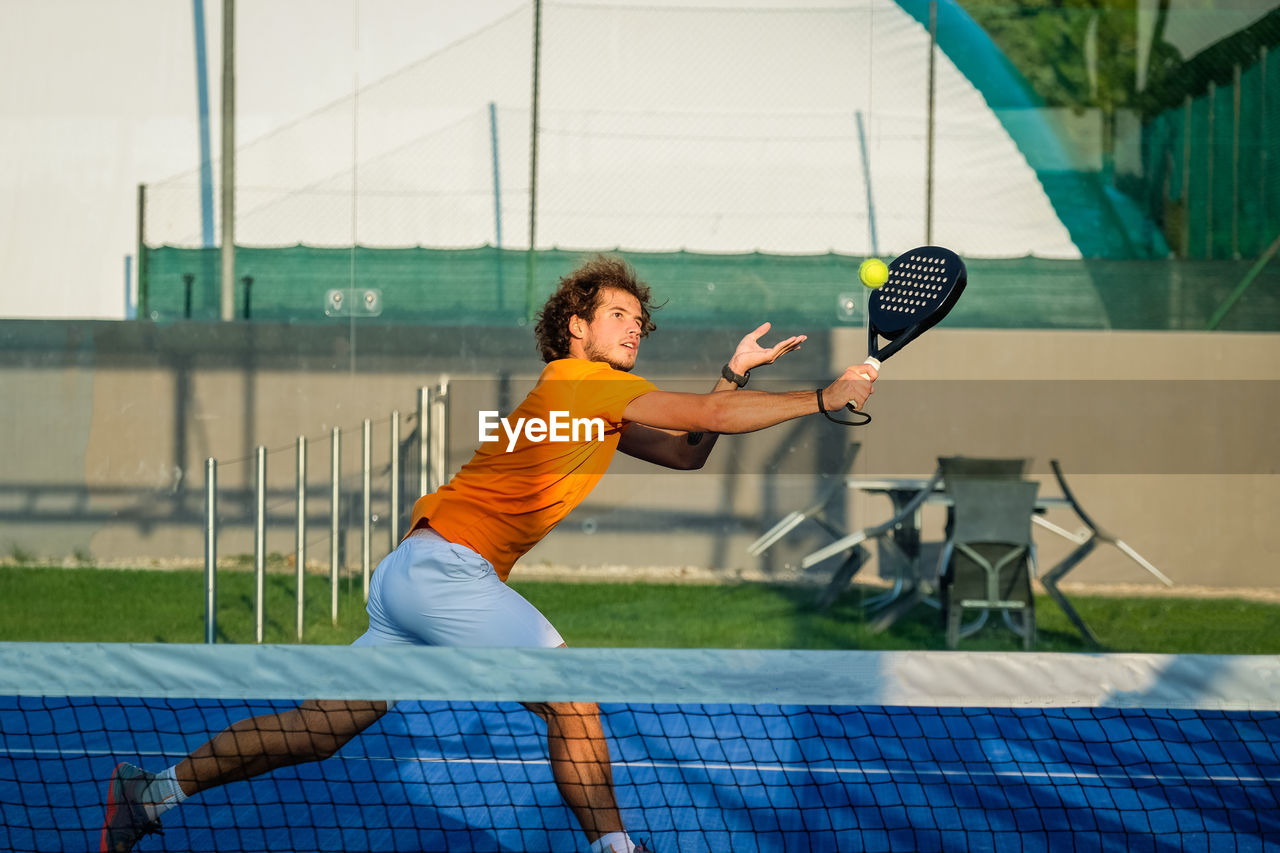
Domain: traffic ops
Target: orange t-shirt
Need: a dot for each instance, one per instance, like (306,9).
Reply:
(507,498)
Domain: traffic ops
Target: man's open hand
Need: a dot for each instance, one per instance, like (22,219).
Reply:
(750,354)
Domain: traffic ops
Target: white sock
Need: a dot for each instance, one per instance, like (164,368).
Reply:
(613,842)
(162,793)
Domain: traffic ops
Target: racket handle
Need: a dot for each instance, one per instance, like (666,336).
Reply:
(874,362)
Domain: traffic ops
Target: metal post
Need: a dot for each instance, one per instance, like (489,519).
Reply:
(1208,181)
(1264,155)
(395,480)
(260,545)
(202,110)
(531,270)
(497,201)
(300,541)
(210,550)
(366,538)
(439,435)
(247,281)
(1186,177)
(335,477)
(424,434)
(497,181)
(933,76)
(1235,161)
(228,160)
(866,179)
(1243,285)
(130,304)
(144,294)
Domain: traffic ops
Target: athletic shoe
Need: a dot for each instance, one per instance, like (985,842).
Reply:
(127,820)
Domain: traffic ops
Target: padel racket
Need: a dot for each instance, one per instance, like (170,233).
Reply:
(923,286)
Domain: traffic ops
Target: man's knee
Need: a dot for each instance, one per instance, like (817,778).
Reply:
(564,711)
(326,726)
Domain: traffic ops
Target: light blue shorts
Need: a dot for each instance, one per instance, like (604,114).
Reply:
(431,592)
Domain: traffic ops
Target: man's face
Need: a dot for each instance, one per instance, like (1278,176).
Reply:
(613,334)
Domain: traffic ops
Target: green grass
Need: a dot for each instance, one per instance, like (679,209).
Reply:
(122,606)
(99,605)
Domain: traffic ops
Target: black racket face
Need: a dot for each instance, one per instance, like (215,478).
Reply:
(923,286)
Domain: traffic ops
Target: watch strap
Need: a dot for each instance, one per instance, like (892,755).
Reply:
(739,379)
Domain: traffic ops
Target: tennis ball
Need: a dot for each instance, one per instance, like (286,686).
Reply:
(873,272)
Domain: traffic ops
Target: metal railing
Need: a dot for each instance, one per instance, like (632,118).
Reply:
(433,471)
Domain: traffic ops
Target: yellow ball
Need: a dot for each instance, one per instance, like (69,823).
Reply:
(873,272)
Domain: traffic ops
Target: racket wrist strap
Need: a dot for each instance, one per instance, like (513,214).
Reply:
(739,379)
(822,407)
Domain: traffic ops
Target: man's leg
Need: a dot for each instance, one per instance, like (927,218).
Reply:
(580,764)
(451,596)
(313,731)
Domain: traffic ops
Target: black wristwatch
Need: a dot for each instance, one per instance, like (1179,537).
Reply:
(739,379)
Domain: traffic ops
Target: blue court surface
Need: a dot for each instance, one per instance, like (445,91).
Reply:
(474,777)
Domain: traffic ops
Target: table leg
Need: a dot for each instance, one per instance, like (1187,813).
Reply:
(904,542)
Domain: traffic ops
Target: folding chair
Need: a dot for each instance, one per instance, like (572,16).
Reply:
(959,467)
(989,557)
(1087,539)
(814,512)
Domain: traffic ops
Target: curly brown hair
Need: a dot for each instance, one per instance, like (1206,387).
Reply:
(579,293)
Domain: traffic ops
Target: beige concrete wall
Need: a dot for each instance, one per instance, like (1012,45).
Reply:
(1166,439)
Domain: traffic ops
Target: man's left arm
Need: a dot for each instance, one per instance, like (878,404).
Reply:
(688,451)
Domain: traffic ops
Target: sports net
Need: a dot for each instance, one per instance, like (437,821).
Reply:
(711,750)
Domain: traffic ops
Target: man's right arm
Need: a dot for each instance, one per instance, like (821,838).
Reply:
(730,412)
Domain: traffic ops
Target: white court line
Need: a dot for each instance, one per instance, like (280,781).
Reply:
(934,773)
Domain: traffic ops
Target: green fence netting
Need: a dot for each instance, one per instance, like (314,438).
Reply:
(1211,158)
(488,286)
